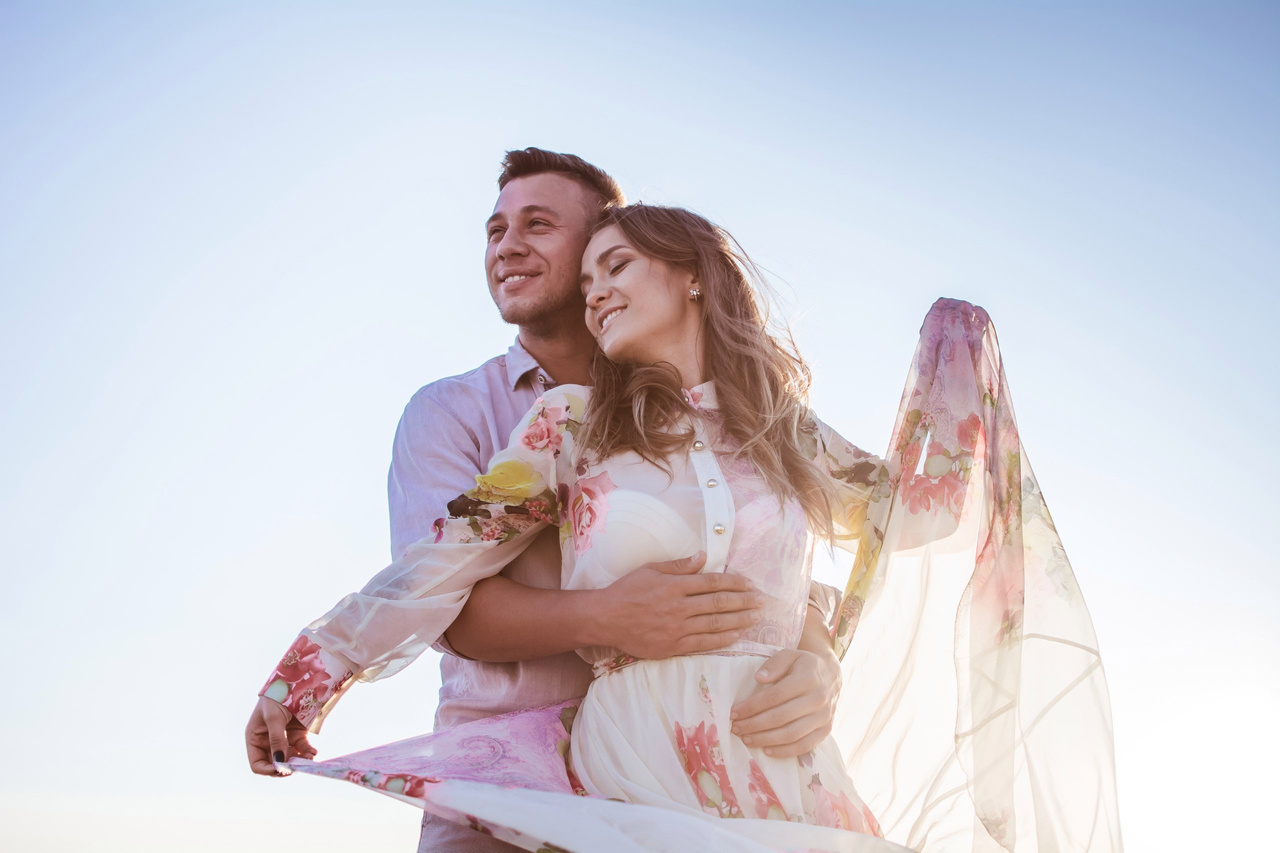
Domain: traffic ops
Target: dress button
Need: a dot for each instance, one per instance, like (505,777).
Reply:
(698,445)
(711,484)
(719,529)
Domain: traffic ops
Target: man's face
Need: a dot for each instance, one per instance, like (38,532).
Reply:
(537,234)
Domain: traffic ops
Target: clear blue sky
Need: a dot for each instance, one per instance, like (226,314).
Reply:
(236,237)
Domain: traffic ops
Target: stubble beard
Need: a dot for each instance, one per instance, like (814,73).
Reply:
(547,315)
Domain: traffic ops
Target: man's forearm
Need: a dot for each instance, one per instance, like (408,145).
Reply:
(655,611)
(816,636)
(507,621)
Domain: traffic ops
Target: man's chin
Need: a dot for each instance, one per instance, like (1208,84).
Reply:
(536,316)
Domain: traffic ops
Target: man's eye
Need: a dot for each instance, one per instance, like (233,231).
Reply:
(539,222)
(495,233)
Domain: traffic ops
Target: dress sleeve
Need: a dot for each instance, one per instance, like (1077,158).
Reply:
(862,483)
(382,628)
(977,666)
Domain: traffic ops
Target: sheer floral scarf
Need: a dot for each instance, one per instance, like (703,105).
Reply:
(973,681)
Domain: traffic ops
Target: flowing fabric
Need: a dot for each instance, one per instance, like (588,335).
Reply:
(975,711)
(974,715)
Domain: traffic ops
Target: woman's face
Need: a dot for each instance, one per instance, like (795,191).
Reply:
(638,308)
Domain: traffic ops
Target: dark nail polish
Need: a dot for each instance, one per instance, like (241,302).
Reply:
(278,756)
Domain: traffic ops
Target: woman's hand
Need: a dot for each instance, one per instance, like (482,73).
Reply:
(274,735)
(793,709)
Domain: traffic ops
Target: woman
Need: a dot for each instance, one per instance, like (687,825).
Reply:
(694,437)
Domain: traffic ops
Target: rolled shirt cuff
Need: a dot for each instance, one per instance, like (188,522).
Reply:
(827,600)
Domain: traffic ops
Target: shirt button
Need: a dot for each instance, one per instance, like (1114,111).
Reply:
(542,380)
(711,484)
(698,445)
(719,529)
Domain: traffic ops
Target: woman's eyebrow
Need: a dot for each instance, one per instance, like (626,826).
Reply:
(604,256)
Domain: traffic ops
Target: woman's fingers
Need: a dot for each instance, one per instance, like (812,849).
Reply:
(791,712)
(265,737)
(803,735)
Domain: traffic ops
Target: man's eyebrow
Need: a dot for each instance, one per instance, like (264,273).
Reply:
(526,210)
(539,208)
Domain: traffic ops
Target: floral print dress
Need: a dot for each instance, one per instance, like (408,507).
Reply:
(952,700)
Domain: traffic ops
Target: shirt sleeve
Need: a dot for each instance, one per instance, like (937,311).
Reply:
(435,457)
(379,630)
(826,599)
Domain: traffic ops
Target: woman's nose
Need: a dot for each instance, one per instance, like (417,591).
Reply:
(597,294)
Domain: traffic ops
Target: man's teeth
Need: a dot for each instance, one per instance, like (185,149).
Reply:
(608,318)
(514,278)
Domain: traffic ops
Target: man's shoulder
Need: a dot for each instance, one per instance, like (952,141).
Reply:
(464,392)
(479,381)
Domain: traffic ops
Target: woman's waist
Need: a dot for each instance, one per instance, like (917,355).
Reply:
(605,660)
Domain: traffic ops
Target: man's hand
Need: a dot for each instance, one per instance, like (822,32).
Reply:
(273,733)
(793,709)
(665,609)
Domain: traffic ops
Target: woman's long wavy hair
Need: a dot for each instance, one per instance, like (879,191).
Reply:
(762,384)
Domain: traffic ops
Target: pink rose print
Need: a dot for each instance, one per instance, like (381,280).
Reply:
(404,783)
(704,764)
(929,494)
(911,457)
(298,662)
(541,510)
(588,503)
(937,461)
(543,433)
(835,809)
(969,432)
(768,806)
(301,683)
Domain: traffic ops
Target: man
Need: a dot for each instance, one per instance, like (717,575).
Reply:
(511,646)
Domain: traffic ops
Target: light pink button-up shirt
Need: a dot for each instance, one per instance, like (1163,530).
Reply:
(447,435)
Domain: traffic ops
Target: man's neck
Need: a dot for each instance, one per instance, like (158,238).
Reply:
(565,353)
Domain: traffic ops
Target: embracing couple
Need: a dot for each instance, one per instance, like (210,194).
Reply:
(613,525)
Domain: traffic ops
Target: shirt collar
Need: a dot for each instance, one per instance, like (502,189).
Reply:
(701,396)
(520,364)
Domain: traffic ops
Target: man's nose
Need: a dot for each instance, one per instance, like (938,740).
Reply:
(511,245)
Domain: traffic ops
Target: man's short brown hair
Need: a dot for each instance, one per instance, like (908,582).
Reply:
(537,161)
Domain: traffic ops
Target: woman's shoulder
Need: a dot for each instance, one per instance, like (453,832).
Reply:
(572,399)
(551,423)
